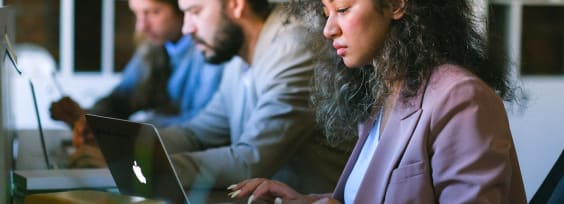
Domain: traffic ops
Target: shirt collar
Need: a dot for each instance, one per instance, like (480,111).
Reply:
(173,48)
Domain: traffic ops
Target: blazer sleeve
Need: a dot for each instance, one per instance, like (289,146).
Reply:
(472,152)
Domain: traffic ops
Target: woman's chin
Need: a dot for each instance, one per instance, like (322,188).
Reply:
(354,64)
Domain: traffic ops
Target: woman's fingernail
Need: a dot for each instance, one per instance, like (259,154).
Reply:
(250,199)
(234,194)
(231,186)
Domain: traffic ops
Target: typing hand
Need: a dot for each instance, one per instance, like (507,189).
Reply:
(82,134)
(269,190)
(66,110)
(87,156)
(327,200)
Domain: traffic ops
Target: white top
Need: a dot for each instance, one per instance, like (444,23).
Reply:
(361,165)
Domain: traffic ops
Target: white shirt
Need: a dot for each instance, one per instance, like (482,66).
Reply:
(361,165)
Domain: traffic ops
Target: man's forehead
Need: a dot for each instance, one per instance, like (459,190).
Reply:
(202,1)
(186,4)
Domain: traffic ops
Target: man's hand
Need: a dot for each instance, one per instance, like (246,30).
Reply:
(87,156)
(66,110)
(82,134)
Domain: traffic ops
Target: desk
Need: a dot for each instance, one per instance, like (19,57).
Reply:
(85,196)
(86,192)
(101,197)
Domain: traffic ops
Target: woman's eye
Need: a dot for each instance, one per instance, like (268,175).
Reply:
(342,10)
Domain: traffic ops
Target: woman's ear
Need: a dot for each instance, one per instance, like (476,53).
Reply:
(398,9)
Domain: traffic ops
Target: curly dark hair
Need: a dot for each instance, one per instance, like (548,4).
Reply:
(431,33)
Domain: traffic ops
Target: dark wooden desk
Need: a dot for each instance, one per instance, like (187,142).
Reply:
(85,196)
(103,197)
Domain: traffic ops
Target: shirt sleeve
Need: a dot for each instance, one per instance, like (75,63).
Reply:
(214,130)
(118,102)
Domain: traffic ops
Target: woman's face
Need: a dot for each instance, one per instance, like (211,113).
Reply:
(358,29)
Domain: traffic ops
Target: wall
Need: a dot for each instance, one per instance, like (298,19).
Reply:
(39,23)
(538,131)
(85,89)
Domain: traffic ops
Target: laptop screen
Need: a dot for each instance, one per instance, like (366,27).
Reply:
(137,159)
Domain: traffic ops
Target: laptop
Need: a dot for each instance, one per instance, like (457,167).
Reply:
(137,159)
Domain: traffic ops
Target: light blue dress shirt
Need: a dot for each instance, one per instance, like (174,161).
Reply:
(361,166)
(191,84)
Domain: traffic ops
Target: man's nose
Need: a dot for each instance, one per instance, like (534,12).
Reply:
(141,25)
(188,26)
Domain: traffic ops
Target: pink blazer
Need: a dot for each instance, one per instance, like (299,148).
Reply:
(449,144)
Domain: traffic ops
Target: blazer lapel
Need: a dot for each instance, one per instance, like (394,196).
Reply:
(363,131)
(393,142)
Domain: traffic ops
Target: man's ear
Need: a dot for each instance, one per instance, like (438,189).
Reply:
(398,9)
(236,7)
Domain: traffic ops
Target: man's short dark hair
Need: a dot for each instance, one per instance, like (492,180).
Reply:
(173,3)
(260,7)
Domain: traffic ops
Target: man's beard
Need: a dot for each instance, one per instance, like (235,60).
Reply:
(226,43)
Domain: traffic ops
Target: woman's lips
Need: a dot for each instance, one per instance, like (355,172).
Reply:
(341,50)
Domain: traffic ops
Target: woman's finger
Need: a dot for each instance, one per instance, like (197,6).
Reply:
(244,188)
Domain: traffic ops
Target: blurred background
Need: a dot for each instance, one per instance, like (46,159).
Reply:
(89,41)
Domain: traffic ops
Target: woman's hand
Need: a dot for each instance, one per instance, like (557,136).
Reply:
(268,190)
(327,200)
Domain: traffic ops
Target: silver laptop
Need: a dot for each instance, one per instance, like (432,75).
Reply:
(137,159)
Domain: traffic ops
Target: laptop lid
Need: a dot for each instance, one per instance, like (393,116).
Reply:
(137,159)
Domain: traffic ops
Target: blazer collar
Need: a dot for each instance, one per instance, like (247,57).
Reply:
(274,24)
(394,139)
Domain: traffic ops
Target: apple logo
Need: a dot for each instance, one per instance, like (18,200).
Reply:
(138,173)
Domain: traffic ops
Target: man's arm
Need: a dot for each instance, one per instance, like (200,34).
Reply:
(278,124)
(208,128)
(113,105)
(118,102)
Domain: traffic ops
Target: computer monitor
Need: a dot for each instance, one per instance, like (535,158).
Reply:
(6,129)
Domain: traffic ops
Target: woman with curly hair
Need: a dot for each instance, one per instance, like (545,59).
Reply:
(414,78)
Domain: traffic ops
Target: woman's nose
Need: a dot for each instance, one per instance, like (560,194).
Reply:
(331,29)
